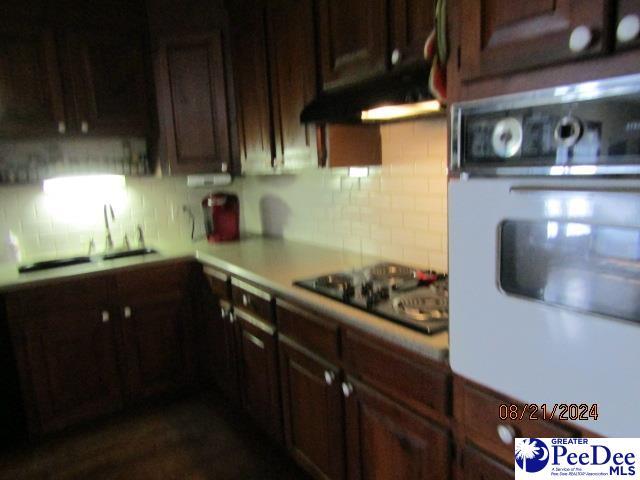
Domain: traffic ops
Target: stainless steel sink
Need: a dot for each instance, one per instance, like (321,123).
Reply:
(66,262)
(47,264)
(128,253)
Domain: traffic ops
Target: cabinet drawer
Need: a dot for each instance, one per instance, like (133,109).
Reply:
(311,331)
(151,284)
(421,384)
(219,282)
(478,466)
(481,417)
(252,300)
(64,296)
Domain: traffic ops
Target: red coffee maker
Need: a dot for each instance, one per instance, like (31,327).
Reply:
(221,217)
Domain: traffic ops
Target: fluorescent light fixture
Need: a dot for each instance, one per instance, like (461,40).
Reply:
(392,112)
(90,185)
(358,172)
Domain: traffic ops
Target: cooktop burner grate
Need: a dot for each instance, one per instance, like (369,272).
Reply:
(334,282)
(390,272)
(422,306)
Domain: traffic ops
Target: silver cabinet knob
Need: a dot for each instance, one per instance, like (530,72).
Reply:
(506,433)
(62,127)
(105,316)
(126,311)
(329,377)
(246,301)
(224,167)
(396,56)
(84,127)
(347,389)
(628,28)
(580,39)
(232,317)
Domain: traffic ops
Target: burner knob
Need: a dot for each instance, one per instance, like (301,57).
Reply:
(348,293)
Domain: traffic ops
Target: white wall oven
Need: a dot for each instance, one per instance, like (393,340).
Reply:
(544,248)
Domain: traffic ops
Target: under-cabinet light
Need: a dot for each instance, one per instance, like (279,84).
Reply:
(358,172)
(80,185)
(391,112)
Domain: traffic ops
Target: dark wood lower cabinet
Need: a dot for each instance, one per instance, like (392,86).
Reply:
(220,347)
(72,361)
(313,412)
(258,363)
(478,466)
(156,350)
(386,441)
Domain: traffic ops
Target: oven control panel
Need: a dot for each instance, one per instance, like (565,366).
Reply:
(547,133)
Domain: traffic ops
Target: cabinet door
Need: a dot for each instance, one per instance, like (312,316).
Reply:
(259,377)
(353,40)
(220,347)
(411,23)
(478,466)
(252,87)
(156,348)
(192,103)
(313,416)
(293,81)
(627,35)
(71,358)
(386,441)
(31,101)
(109,82)
(539,31)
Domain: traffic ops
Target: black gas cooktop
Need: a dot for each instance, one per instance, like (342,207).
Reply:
(416,298)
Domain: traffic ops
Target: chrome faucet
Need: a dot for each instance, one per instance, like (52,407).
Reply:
(108,209)
(140,237)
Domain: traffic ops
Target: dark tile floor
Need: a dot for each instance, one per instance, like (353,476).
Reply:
(195,439)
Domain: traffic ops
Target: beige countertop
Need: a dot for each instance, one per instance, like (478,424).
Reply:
(272,263)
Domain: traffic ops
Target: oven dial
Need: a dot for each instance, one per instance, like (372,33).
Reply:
(507,137)
(568,131)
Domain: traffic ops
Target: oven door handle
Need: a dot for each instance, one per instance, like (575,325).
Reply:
(527,190)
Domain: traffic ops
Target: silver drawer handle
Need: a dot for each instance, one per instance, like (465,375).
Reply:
(246,301)
(127,312)
(329,377)
(628,28)
(84,127)
(223,312)
(62,127)
(396,56)
(506,433)
(580,39)
(347,389)
(232,317)
(105,316)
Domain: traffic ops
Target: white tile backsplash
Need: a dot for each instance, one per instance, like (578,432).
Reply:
(398,212)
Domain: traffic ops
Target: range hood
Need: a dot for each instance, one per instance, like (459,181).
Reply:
(394,96)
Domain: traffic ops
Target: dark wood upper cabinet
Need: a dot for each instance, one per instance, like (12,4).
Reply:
(192,102)
(313,413)
(386,441)
(31,99)
(110,83)
(411,23)
(251,78)
(353,40)
(542,32)
(293,80)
